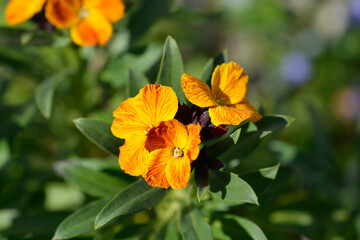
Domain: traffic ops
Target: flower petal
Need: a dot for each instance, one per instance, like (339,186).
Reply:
(178,172)
(127,121)
(156,175)
(197,91)
(95,29)
(229,83)
(113,10)
(244,105)
(192,147)
(62,13)
(159,103)
(134,158)
(228,115)
(18,11)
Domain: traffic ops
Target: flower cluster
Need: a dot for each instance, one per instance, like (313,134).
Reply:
(90,21)
(162,138)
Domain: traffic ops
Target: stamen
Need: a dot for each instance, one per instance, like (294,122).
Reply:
(178,152)
(147,130)
(220,101)
(83,13)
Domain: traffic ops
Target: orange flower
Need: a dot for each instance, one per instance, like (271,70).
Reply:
(89,20)
(135,117)
(19,11)
(226,100)
(176,147)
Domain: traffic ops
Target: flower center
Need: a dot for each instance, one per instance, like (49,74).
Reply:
(178,152)
(220,101)
(83,13)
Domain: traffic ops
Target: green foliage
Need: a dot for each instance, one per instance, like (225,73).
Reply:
(99,133)
(136,197)
(79,222)
(171,68)
(193,225)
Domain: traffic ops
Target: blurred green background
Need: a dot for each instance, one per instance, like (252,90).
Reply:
(302,58)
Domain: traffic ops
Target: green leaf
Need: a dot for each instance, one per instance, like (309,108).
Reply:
(222,146)
(211,65)
(135,198)
(80,221)
(94,182)
(167,231)
(250,227)
(230,187)
(135,81)
(260,180)
(171,68)
(99,133)
(193,225)
(253,134)
(45,92)
(4,153)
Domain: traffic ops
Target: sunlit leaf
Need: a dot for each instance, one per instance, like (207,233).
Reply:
(230,187)
(253,230)
(171,68)
(99,133)
(80,221)
(193,225)
(45,92)
(261,179)
(135,198)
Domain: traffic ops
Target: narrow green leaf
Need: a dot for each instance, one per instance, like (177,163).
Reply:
(222,146)
(250,227)
(135,198)
(261,179)
(211,65)
(193,225)
(135,81)
(171,68)
(4,152)
(167,231)
(45,92)
(80,221)
(94,182)
(99,133)
(230,187)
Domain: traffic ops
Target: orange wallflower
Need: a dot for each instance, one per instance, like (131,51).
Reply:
(176,147)
(135,117)
(89,20)
(19,11)
(226,100)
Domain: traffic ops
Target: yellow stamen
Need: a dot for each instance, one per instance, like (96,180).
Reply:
(178,152)
(83,13)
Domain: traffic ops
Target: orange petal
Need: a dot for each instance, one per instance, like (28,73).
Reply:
(62,13)
(178,172)
(244,105)
(159,103)
(127,121)
(194,141)
(228,115)
(113,10)
(156,175)
(134,158)
(94,29)
(229,83)
(197,91)
(18,11)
